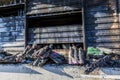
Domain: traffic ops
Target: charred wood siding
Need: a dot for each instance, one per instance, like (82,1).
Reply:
(118,5)
(102,24)
(57,29)
(56,34)
(12,32)
(52,6)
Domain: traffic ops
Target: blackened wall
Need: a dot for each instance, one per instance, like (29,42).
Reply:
(12,32)
(102,24)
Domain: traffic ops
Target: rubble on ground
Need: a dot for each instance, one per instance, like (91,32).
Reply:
(35,56)
(105,58)
(76,56)
(39,56)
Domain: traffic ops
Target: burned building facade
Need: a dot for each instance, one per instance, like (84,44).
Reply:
(59,22)
(12,25)
(102,24)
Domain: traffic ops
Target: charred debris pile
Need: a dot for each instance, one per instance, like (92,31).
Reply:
(39,56)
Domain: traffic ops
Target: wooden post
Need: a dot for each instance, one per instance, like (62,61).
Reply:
(83,24)
(26,29)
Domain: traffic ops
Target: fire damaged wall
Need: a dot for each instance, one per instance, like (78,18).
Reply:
(50,6)
(60,28)
(102,24)
(56,34)
(12,32)
(55,29)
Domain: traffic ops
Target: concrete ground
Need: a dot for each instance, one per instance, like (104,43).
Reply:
(55,72)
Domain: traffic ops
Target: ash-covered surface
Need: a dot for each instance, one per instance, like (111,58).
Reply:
(51,72)
(16,68)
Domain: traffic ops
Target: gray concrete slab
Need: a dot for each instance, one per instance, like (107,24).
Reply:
(53,72)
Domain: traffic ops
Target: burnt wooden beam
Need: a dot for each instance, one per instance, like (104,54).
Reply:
(83,24)
(54,14)
(10,9)
(26,24)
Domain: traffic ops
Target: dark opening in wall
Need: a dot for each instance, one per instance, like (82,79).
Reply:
(65,19)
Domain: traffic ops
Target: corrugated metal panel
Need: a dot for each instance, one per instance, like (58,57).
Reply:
(102,24)
(49,6)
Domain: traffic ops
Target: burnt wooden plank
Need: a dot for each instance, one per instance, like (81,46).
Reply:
(50,6)
(56,34)
(51,10)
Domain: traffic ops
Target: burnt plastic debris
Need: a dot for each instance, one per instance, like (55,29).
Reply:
(95,53)
(57,58)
